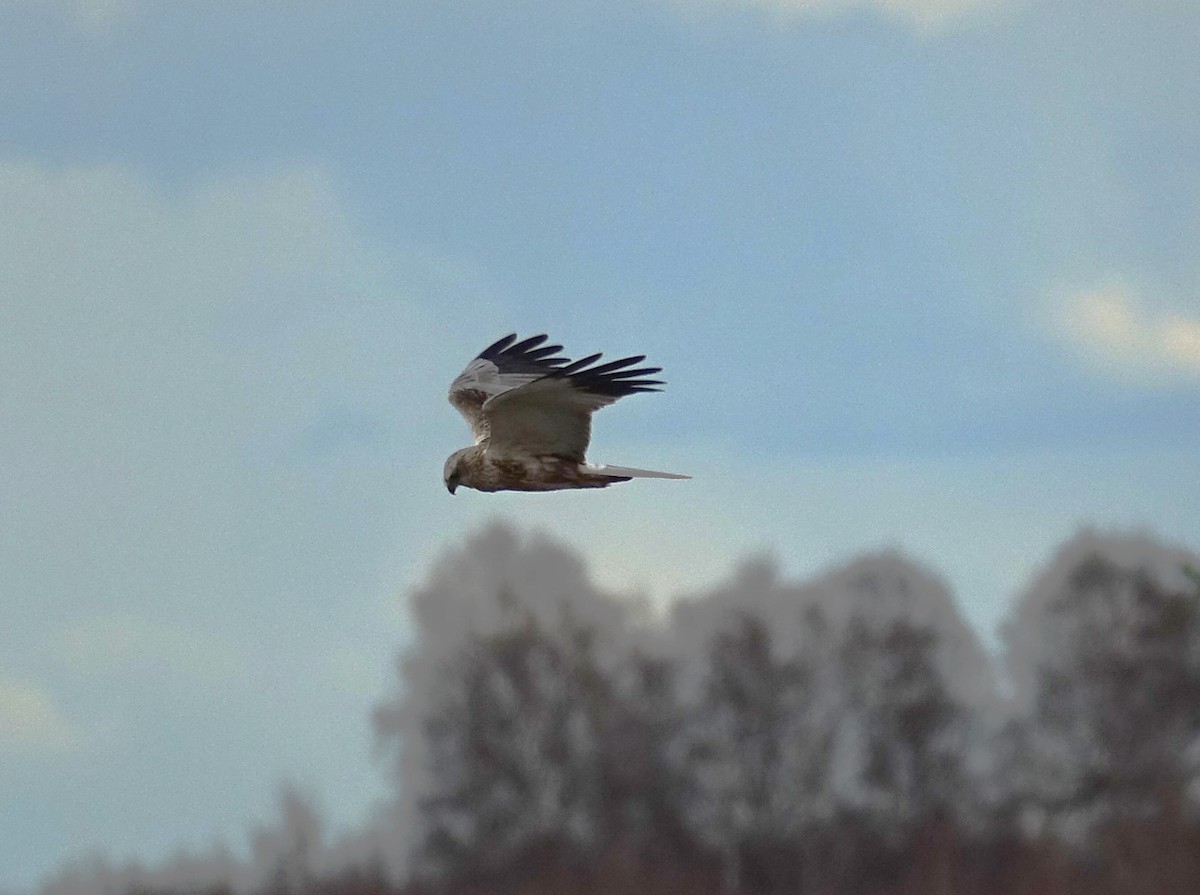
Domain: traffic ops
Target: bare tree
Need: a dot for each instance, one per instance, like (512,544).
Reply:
(1116,717)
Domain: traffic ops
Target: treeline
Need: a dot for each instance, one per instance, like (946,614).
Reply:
(843,735)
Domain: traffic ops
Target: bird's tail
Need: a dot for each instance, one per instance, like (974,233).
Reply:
(632,473)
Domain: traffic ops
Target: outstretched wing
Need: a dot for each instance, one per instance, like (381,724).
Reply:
(552,414)
(499,368)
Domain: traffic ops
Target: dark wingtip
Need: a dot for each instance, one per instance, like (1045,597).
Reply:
(640,371)
(524,346)
(544,351)
(528,355)
(498,346)
(612,379)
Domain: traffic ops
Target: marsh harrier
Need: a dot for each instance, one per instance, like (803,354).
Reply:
(531,414)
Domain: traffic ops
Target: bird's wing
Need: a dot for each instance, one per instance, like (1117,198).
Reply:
(552,414)
(499,368)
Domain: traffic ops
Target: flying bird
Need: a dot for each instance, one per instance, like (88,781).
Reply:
(530,411)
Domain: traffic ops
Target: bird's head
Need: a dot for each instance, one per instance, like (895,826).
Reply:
(451,473)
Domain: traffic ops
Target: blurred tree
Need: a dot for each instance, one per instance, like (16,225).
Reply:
(758,756)
(1116,720)
(644,787)
(907,727)
(548,745)
(509,753)
(538,748)
(288,855)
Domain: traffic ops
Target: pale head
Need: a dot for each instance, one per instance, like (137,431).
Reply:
(452,472)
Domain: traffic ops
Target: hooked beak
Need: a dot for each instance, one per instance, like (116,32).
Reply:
(450,486)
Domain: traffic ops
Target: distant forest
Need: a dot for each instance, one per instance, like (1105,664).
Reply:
(843,735)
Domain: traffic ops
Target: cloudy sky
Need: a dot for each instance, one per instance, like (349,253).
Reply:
(922,273)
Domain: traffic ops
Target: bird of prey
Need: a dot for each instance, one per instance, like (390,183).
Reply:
(531,414)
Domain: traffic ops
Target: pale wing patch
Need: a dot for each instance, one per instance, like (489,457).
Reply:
(501,368)
(484,376)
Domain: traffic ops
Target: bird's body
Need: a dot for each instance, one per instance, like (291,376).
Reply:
(531,415)
(534,473)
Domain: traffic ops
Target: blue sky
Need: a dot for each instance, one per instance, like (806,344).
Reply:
(921,273)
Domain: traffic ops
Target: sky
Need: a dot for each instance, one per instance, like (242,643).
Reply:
(922,274)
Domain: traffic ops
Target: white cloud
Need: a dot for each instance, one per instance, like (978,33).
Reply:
(923,15)
(1125,337)
(29,719)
